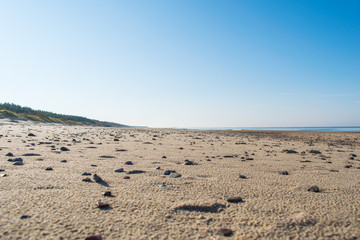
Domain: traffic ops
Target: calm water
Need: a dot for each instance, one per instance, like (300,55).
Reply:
(329,129)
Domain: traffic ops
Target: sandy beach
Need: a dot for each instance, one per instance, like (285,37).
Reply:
(177,184)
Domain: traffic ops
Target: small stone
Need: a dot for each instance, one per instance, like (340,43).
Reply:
(48,169)
(31,135)
(168,172)
(102,205)
(2,170)
(135,172)
(157,168)
(348,166)
(3,175)
(93,237)
(86,174)
(234,199)
(9,154)
(164,157)
(352,155)
(174,175)
(119,170)
(63,161)
(126,177)
(97,178)
(314,189)
(128,163)
(283,173)
(18,163)
(226,232)
(93,165)
(242,176)
(64,149)
(107,194)
(24,216)
(188,162)
(116,140)
(86,179)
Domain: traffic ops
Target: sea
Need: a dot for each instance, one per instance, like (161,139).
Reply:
(322,129)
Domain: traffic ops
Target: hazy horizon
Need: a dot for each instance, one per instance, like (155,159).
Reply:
(185,64)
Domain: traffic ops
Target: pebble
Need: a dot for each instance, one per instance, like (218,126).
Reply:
(63,161)
(18,163)
(128,163)
(24,216)
(64,149)
(188,162)
(119,170)
(48,169)
(102,205)
(93,237)
(157,168)
(135,172)
(2,170)
(314,189)
(86,179)
(234,199)
(242,176)
(9,154)
(348,166)
(107,194)
(168,172)
(97,178)
(126,177)
(31,135)
(174,175)
(86,174)
(164,157)
(226,232)
(3,175)
(284,173)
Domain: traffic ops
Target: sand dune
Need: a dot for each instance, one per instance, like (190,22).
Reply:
(45,197)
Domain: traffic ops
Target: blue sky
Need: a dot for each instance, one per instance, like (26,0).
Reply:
(185,63)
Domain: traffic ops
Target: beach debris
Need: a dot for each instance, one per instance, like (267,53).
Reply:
(97,178)
(174,175)
(94,237)
(226,232)
(284,173)
(87,179)
(3,175)
(119,170)
(128,163)
(314,189)
(233,199)
(64,149)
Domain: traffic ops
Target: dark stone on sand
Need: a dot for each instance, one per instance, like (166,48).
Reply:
(64,149)
(2,170)
(126,177)
(348,166)
(226,232)
(107,194)
(102,205)
(352,155)
(31,135)
(31,154)
(157,168)
(63,161)
(234,199)
(97,178)
(284,173)
(168,172)
(49,169)
(9,154)
(128,163)
(86,179)
(15,160)
(119,170)
(86,174)
(93,165)
(332,170)
(116,140)
(135,172)
(105,156)
(24,217)
(249,159)
(120,150)
(181,148)
(314,189)
(289,151)
(174,175)
(231,156)
(314,152)
(18,163)
(188,162)
(163,156)
(242,176)
(93,237)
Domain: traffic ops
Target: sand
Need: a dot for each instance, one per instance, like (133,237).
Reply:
(57,204)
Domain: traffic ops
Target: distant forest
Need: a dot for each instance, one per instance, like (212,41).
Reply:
(17,112)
